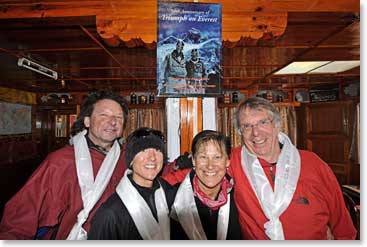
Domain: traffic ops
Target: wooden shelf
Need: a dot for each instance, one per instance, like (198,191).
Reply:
(56,106)
(150,106)
(287,104)
(296,104)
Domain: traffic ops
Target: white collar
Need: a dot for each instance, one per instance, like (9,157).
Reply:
(148,227)
(274,203)
(91,190)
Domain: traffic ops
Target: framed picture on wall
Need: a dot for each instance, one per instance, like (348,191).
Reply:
(302,96)
(15,118)
(189,49)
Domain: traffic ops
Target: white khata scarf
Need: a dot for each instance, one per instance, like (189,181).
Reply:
(91,189)
(148,227)
(274,203)
(185,211)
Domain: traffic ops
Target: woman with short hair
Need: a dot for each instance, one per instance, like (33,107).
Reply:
(204,207)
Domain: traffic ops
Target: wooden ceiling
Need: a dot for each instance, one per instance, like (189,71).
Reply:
(97,44)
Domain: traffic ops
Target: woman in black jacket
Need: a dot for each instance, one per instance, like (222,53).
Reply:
(139,209)
(204,206)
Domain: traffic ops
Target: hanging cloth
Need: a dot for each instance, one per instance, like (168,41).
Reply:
(148,227)
(91,190)
(274,203)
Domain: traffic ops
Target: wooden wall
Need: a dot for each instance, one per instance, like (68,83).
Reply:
(19,154)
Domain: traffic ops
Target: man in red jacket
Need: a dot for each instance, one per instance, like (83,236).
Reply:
(60,198)
(281,192)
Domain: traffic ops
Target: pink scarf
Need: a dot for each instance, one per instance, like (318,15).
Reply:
(212,204)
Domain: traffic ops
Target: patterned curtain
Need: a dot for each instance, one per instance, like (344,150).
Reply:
(226,123)
(145,117)
(289,122)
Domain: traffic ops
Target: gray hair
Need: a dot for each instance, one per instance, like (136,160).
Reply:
(257,103)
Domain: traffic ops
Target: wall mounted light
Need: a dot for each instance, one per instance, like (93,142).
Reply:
(26,63)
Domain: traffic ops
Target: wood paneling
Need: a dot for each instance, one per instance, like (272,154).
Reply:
(333,151)
(335,116)
(191,121)
(328,132)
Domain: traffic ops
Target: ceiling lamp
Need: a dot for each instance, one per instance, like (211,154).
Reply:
(336,67)
(315,67)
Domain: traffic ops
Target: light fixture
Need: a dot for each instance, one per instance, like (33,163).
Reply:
(336,67)
(314,67)
(26,63)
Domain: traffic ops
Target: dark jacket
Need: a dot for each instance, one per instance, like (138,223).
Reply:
(113,221)
(209,219)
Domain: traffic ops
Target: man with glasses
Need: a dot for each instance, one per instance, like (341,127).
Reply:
(281,192)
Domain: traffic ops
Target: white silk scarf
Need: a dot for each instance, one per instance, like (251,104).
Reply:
(148,227)
(185,211)
(91,189)
(274,203)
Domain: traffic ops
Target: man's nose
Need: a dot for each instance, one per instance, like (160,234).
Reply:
(254,129)
(112,120)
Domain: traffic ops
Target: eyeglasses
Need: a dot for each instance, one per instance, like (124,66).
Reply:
(261,124)
(144,132)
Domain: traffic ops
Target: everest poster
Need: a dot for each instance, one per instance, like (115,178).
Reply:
(189,49)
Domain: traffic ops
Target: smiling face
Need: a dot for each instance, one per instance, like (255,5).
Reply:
(260,140)
(146,165)
(210,162)
(105,123)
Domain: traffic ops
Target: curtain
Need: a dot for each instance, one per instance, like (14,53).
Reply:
(289,122)
(226,123)
(145,117)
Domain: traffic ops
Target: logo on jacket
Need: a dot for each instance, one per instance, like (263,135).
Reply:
(301,200)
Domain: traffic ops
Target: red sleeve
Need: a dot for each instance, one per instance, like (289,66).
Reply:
(31,207)
(340,222)
(170,167)
(175,177)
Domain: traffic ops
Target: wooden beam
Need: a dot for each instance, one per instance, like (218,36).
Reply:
(128,20)
(107,51)
(142,8)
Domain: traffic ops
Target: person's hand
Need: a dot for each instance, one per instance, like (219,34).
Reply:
(184,161)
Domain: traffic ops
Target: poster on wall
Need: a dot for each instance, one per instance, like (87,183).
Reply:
(15,119)
(189,49)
